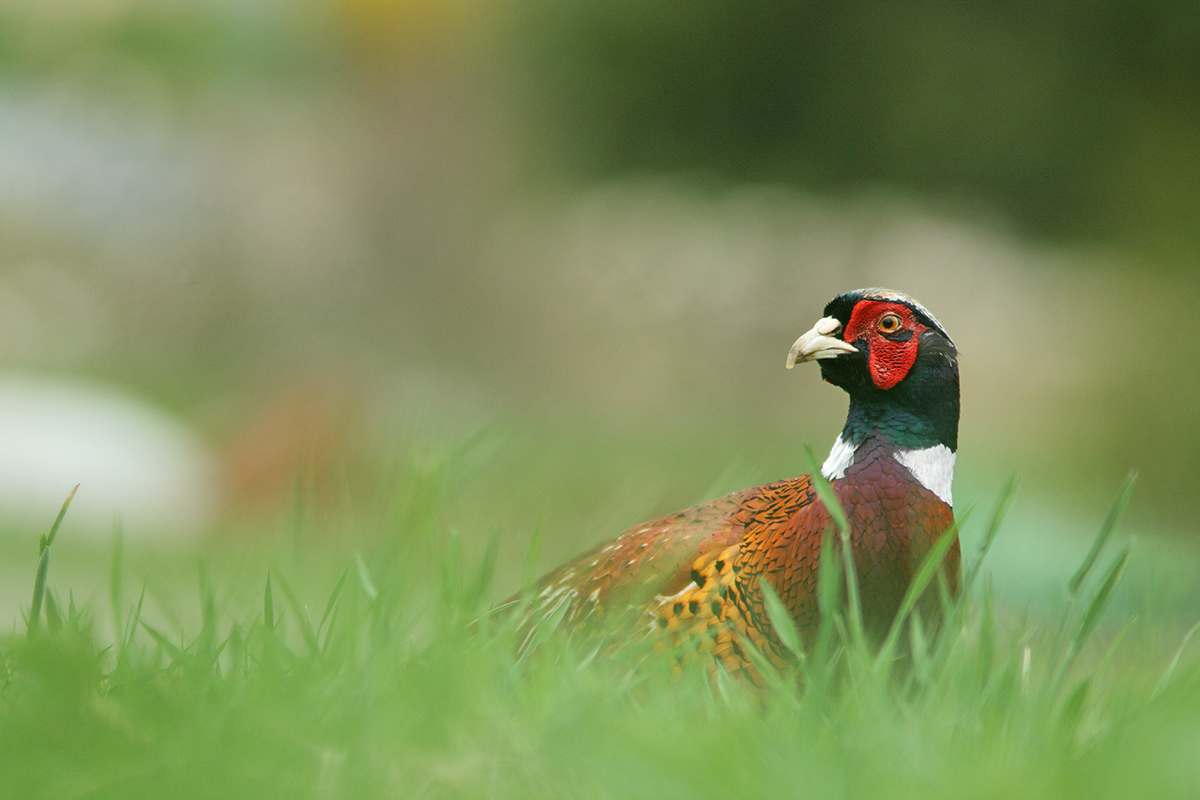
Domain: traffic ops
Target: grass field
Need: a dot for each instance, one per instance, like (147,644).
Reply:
(379,672)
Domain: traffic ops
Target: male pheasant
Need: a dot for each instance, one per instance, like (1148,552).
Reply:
(692,579)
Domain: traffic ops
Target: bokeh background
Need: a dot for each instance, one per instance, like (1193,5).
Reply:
(257,259)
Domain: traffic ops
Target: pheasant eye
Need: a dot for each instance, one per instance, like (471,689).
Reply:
(889,323)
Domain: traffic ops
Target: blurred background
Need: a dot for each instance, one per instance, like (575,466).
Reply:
(259,259)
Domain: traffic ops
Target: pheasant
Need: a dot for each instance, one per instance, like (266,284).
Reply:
(692,579)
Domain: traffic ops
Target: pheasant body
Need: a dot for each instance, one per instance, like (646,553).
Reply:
(692,580)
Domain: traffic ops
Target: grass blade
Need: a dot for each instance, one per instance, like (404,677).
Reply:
(854,617)
(62,512)
(364,577)
(329,631)
(269,604)
(115,576)
(174,652)
(1008,494)
(829,595)
(134,618)
(54,619)
(43,566)
(825,493)
(781,619)
(337,590)
(930,565)
(1095,608)
(1104,594)
(837,514)
(1165,680)
(1112,648)
(1106,530)
(544,627)
(39,590)
(473,594)
(300,612)
(829,578)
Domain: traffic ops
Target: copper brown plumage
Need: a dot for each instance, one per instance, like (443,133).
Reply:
(692,580)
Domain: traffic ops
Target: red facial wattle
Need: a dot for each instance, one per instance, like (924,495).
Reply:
(893,353)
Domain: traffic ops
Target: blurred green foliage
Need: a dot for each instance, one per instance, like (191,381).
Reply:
(1080,120)
(294,224)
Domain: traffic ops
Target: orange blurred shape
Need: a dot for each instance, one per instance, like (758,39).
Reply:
(299,438)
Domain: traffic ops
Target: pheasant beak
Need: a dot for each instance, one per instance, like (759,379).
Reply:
(820,342)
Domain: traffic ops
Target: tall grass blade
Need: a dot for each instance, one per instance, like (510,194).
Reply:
(1008,494)
(208,657)
(62,512)
(545,626)
(725,687)
(474,593)
(337,590)
(854,619)
(1095,608)
(825,493)
(780,684)
(919,648)
(829,597)
(532,551)
(1104,594)
(1110,524)
(300,612)
(174,652)
(930,566)
(115,576)
(329,631)
(1072,708)
(829,578)
(43,566)
(39,590)
(500,608)
(364,577)
(450,567)
(269,604)
(947,601)
(134,618)
(1165,680)
(208,615)
(1112,648)
(781,619)
(987,629)
(54,619)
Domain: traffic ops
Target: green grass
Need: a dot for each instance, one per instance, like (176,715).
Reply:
(388,677)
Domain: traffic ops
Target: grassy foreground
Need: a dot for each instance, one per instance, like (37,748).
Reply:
(397,682)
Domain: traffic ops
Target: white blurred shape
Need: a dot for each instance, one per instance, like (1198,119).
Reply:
(132,460)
